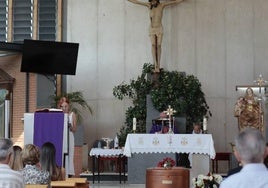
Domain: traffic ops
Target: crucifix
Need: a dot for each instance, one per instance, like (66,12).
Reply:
(170,112)
(260,82)
(156,28)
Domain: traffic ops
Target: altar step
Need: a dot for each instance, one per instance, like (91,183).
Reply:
(105,176)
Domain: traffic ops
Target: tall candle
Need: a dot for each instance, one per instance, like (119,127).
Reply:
(134,124)
(205,124)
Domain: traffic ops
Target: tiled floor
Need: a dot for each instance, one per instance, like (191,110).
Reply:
(106,184)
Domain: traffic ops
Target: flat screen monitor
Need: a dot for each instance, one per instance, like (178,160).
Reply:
(49,57)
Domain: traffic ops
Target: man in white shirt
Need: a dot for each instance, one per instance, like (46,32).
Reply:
(8,178)
(250,150)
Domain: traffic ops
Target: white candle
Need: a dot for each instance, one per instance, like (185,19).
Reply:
(205,124)
(134,124)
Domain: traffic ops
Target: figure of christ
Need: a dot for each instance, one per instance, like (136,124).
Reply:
(156,29)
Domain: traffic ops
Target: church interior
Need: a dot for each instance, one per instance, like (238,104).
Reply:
(122,53)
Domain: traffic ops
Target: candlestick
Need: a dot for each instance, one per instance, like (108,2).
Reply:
(134,124)
(205,124)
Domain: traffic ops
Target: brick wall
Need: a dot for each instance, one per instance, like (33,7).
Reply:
(11,65)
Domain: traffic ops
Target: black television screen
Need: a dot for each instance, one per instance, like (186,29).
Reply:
(49,57)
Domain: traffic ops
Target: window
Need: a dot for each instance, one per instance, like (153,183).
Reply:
(29,19)
(47,10)
(22,20)
(3,20)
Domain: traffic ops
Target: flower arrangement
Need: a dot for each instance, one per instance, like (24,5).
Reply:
(208,181)
(166,163)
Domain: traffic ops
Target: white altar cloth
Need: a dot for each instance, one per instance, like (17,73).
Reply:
(170,143)
(200,145)
(105,152)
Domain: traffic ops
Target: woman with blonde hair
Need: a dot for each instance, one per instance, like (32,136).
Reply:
(32,172)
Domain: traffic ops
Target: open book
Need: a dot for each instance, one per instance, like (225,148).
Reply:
(49,110)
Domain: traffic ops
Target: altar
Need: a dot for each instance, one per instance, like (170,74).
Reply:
(146,150)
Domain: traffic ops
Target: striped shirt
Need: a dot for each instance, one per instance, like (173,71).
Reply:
(10,178)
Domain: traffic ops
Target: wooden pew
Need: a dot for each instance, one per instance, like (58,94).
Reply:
(35,186)
(71,182)
(57,184)
(80,182)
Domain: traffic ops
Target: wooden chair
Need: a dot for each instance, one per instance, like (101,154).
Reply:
(221,156)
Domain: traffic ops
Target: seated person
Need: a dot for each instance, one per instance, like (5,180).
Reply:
(48,162)
(250,150)
(15,161)
(161,125)
(8,177)
(237,169)
(32,172)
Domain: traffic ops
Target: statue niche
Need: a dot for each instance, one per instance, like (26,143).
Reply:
(248,111)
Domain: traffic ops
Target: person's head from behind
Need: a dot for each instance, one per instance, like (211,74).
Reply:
(250,146)
(48,162)
(48,157)
(30,154)
(5,150)
(16,162)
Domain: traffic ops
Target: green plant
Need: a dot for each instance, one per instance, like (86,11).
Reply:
(137,91)
(182,92)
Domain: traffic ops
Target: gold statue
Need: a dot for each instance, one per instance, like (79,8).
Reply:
(156,29)
(249,112)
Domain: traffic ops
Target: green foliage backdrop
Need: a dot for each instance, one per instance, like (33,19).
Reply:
(182,92)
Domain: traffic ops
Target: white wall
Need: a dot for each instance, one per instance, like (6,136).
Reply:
(222,42)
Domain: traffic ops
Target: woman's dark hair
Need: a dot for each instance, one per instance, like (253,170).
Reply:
(48,159)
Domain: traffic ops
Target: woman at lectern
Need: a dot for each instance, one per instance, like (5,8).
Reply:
(65,106)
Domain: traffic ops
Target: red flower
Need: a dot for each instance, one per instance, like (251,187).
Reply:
(166,162)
